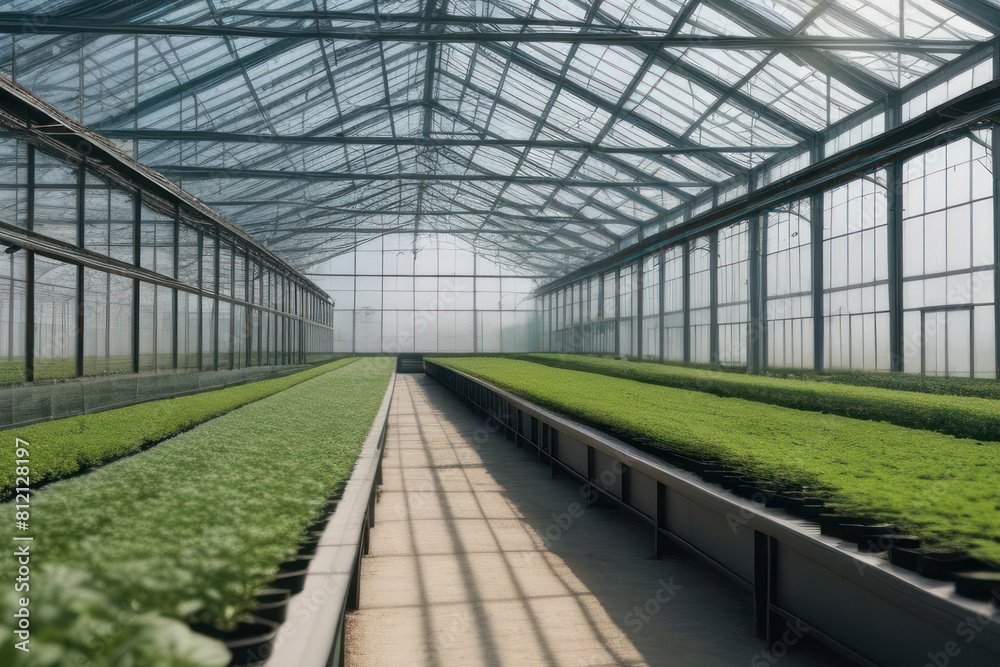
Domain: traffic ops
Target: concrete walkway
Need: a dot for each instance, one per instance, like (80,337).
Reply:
(478,558)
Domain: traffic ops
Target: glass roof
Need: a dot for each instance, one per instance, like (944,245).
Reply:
(547,131)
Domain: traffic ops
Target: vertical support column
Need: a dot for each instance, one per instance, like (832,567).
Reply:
(275,291)
(894,233)
(216,315)
(29,277)
(686,268)
(755,344)
(640,309)
(232,305)
(592,496)
(136,260)
(303,312)
(475,306)
(895,265)
(287,305)
(173,297)
(713,279)
(767,623)
(817,221)
(601,316)
(659,540)
(618,312)
(81,182)
(626,484)
(260,316)
(201,285)
(662,279)
(818,271)
(764,278)
(248,297)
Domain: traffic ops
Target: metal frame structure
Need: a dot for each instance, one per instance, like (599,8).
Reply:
(605,155)
(36,129)
(952,119)
(555,135)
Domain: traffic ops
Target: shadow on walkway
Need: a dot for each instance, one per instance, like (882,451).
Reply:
(479,558)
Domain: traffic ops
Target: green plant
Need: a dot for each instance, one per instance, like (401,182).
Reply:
(914,382)
(65,446)
(961,416)
(74,621)
(193,528)
(939,487)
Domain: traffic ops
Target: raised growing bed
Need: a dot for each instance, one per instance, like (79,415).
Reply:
(934,486)
(961,416)
(197,527)
(859,603)
(314,635)
(65,446)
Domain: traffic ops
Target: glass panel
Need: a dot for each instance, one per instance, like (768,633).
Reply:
(13,266)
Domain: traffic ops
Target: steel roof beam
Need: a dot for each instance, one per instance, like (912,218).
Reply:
(208,173)
(984,14)
(152,134)
(934,128)
(216,76)
(539,69)
(601,205)
(620,165)
(856,78)
(15,23)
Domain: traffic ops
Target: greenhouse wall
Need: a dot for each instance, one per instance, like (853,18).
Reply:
(894,270)
(180,292)
(428,293)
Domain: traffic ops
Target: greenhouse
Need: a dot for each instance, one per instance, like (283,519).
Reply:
(430,332)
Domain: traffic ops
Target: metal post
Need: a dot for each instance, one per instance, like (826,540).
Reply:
(29,276)
(713,289)
(754,333)
(601,315)
(894,233)
(765,550)
(640,308)
(232,306)
(248,297)
(686,297)
(258,297)
(659,541)
(215,298)
(201,287)
(137,260)
(764,360)
(81,181)
(276,329)
(895,249)
(618,312)
(663,302)
(475,307)
(175,318)
(817,220)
